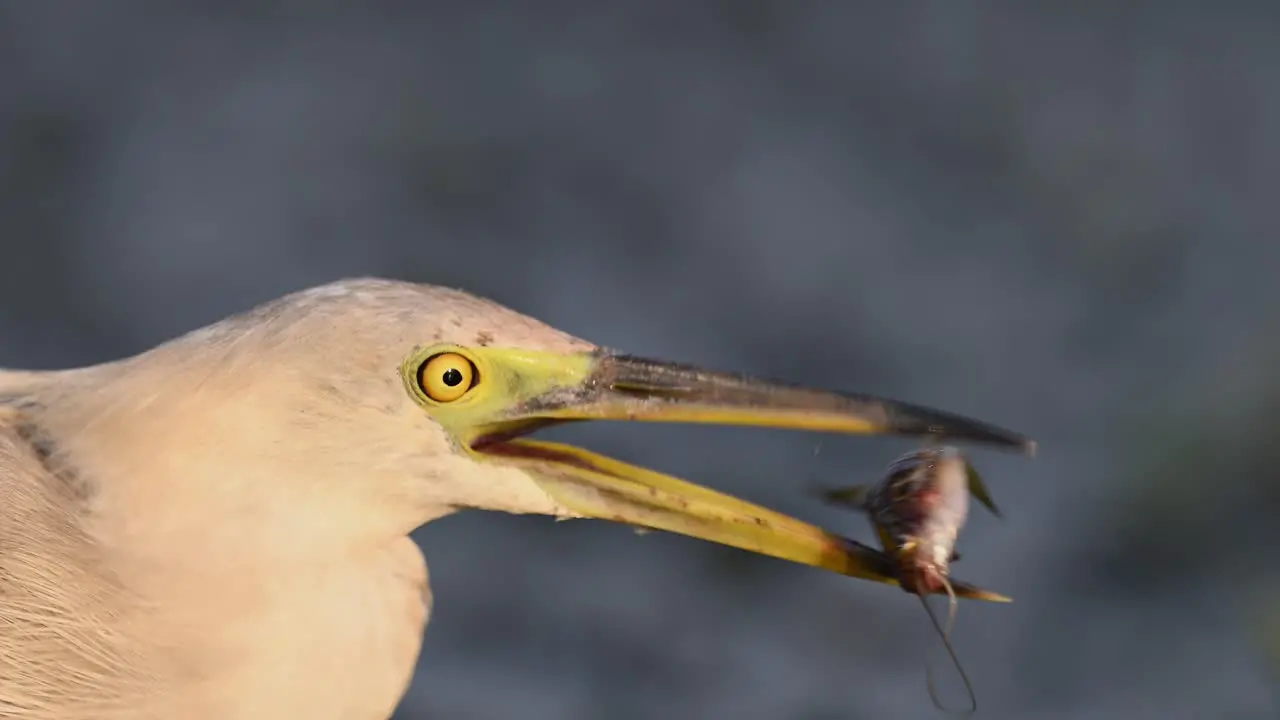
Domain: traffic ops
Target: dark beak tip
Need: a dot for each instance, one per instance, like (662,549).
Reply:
(920,420)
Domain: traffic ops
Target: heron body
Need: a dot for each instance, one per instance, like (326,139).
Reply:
(218,527)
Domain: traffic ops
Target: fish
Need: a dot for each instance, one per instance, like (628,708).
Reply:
(917,511)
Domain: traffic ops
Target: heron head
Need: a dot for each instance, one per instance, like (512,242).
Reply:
(402,403)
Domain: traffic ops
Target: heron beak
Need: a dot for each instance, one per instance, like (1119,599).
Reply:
(600,386)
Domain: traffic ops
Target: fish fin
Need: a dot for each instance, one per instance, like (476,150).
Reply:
(886,540)
(853,496)
(978,489)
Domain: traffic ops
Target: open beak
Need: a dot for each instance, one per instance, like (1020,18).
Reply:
(604,386)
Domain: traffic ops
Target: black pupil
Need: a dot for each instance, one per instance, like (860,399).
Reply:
(452,377)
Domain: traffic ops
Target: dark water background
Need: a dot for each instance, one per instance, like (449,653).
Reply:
(1061,217)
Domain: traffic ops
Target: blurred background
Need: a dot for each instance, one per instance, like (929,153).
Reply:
(1059,217)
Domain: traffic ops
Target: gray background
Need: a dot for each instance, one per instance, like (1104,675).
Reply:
(1061,217)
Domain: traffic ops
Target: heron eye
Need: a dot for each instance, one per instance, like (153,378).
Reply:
(446,377)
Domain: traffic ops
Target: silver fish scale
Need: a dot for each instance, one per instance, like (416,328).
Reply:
(922,497)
